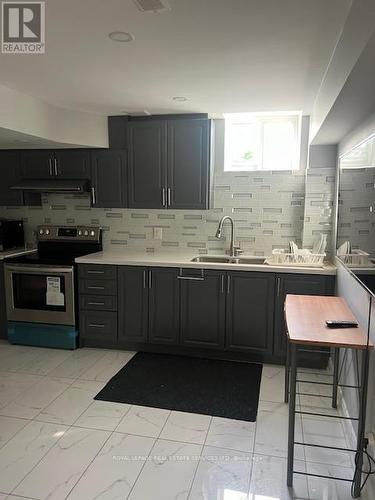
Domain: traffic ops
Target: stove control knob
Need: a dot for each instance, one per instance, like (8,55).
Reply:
(80,232)
(47,231)
(41,231)
(86,233)
(92,233)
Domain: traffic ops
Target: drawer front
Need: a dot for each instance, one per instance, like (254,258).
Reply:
(92,271)
(98,287)
(98,325)
(98,302)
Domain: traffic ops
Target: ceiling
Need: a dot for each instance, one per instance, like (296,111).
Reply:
(223,55)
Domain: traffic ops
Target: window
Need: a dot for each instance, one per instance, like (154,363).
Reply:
(264,141)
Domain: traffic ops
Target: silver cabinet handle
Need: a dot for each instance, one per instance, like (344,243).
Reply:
(191,278)
(94,287)
(93,195)
(95,272)
(50,166)
(169,197)
(278,286)
(150,279)
(144,279)
(95,303)
(228,284)
(164,203)
(222,283)
(96,325)
(56,169)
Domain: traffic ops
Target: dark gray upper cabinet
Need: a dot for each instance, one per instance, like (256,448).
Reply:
(202,308)
(147,161)
(296,284)
(72,164)
(109,178)
(118,132)
(36,164)
(250,303)
(188,164)
(164,315)
(9,172)
(132,304)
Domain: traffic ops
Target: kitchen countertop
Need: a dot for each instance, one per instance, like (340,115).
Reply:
(178,259)
(14,252)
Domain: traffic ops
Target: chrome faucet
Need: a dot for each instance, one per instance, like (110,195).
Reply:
(234,251)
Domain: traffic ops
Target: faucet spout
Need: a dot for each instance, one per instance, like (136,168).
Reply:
(219,231)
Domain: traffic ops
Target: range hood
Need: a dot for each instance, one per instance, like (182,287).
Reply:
(53,185)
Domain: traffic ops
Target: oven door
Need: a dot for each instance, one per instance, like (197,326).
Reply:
(40,294)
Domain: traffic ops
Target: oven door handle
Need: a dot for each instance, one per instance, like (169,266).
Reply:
(36,269)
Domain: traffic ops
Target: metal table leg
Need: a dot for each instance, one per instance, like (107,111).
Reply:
(292,415)
(287,371)
(361,422)
(336,364)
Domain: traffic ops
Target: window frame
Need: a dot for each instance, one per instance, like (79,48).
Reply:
(233,119)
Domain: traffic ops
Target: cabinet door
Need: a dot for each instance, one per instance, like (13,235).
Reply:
(297,284)
(250,305)
(132,304)
(109,179)
(36,164)
(9,172)
(163,306)
(3,311)
(202,302)
(188,164)
(147,164)
(72,164)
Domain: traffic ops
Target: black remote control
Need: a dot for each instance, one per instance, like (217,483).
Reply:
(335,323)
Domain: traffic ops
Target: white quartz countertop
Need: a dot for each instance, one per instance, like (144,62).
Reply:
(178,259)
(15,252)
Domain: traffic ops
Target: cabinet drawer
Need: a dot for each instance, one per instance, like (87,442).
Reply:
(100,272)
(98,287)
(98,302)
(98,325)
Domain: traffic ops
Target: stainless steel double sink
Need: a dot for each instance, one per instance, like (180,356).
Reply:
(218,259)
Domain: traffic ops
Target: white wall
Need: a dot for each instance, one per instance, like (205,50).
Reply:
(28,115)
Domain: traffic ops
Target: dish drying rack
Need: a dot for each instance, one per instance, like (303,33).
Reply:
(357,258)
(304,258)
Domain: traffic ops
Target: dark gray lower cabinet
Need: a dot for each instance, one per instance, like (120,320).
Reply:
(99,326)
(164,306)
(250,305)
(132,304)
(202,299)
(3,310)
(296,284)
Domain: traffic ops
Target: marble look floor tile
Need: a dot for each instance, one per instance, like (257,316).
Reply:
(321,488)
(108,366)
(272,384)
(13,384)
(9,426)
(187,427)
(222,474)
(15,360)
(3,496)
(45,361)
(144,421)
(16,497)
(272,431)
(231,434)
(24,450)
(79,362)
(329,432)
(102,415)
(268,480)
(71,403)
(33,400)
(115,469)
(58,472)
(170,472)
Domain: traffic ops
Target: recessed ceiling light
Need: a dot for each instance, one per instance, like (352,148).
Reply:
(180,98)
(121,36)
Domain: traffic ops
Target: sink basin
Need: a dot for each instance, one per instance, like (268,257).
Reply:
(213,259)
(229,260)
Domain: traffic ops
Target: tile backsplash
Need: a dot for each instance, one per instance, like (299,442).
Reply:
(268,208)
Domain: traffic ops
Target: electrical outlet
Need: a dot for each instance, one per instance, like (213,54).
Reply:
(158,233)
